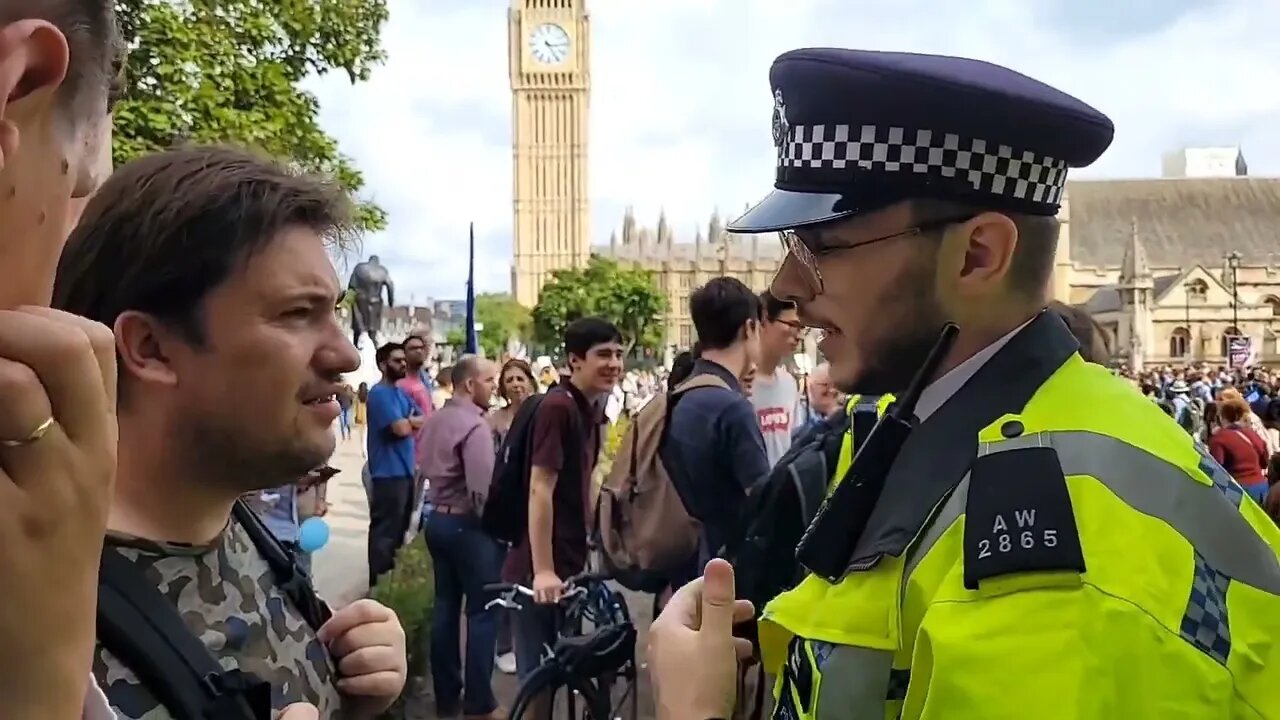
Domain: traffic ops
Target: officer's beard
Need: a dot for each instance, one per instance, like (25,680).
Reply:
(914,320)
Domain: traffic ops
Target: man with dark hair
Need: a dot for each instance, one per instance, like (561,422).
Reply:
(714,451)
(57,397)
(1094,344)
(976,575)
(565,445)
(393,420)
(417,382)
(775,395)
(212,267)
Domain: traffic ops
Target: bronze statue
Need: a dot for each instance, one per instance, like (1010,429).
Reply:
(367,280)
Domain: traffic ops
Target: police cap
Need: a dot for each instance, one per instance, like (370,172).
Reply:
(858,130)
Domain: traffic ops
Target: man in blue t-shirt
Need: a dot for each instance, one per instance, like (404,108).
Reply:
(393,419)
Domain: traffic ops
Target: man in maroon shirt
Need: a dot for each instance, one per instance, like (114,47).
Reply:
(565,445)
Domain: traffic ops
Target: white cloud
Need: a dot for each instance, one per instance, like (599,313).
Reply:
(680,106)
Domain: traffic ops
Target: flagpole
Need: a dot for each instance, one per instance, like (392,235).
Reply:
(472,342)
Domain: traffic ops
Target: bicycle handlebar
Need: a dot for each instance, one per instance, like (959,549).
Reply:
(579,580)
(574,587)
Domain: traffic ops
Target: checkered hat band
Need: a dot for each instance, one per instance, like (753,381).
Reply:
(985,166)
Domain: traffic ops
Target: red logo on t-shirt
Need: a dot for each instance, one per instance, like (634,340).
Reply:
(774,419)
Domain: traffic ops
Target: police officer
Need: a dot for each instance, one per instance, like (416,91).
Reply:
(1048,544)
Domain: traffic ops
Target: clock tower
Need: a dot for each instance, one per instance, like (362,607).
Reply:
(549,49)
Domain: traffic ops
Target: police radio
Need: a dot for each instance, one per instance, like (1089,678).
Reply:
(828,544)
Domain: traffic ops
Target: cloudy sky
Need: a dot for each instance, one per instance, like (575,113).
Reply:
(680,109)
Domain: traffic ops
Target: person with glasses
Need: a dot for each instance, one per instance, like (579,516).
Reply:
(774,393)
(1047,543)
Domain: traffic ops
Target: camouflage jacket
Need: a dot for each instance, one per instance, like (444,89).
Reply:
(227,597)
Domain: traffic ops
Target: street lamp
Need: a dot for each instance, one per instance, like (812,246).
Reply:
(1233,262)
(1186,302)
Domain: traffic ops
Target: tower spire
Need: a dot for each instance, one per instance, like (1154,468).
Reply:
(1134,267)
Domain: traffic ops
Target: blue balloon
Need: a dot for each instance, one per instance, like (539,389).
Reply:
(313,534)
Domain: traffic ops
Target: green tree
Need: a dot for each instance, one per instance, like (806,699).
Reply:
(230,71)
(500,317)
(627,297)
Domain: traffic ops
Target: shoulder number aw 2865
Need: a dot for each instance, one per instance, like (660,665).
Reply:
(1018,517)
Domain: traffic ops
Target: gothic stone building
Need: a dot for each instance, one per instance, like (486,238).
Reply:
(1150,259)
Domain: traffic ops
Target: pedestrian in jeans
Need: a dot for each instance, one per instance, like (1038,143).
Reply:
(346,400)
(457,455)
(565,445)
(393,419)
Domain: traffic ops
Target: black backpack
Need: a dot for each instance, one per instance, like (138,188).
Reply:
(506,508)
(780,507)
(144,630)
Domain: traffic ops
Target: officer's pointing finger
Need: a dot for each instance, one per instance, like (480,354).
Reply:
(718,598)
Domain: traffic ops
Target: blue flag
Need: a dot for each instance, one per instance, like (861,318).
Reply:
(473,344)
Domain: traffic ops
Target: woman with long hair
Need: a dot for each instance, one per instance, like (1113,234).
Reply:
(361,412)
(515,385)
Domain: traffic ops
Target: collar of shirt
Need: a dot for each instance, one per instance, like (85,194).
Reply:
(702,365)
(465,405)
(592,410)
(940,391)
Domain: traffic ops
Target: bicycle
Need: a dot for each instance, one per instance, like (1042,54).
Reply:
(586,663)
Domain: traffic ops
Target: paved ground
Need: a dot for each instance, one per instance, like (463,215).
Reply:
(341,576)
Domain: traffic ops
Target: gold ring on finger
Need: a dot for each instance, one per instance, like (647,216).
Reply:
(35,435)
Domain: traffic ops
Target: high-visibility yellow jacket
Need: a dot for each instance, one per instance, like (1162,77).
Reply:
(1048,546)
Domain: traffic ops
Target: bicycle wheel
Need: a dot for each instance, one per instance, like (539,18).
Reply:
(551,679)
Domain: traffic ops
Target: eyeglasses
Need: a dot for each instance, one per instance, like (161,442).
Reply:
(795,325)
(808,261)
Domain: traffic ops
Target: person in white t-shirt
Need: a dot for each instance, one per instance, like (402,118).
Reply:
(775,394)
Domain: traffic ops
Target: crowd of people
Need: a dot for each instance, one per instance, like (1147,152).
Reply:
(1234,412)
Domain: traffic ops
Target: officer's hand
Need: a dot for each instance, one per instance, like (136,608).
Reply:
(57,463)
(300,711)
(693,655)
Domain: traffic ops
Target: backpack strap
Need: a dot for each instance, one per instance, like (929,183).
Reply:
(143,629)
(292,579)
(701,380)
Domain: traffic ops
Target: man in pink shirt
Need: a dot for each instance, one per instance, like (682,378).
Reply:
(416,382)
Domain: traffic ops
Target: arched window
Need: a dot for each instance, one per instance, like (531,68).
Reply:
(1197,290)
(1227,334)
(1274,303)
(1179,342)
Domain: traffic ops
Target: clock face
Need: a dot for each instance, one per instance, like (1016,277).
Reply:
(549,44)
